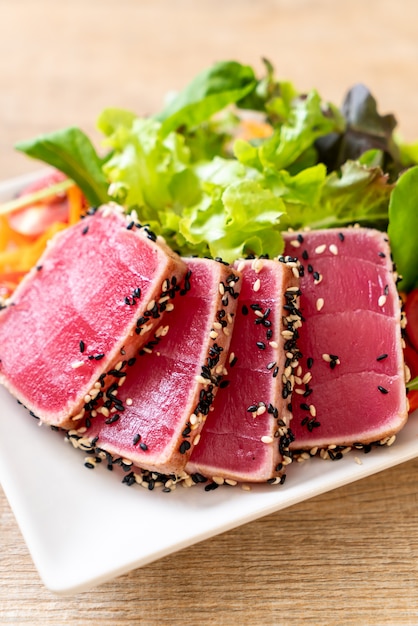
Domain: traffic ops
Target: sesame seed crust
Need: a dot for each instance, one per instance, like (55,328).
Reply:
(159,453)
(328,256)
(64,296)
(272,331)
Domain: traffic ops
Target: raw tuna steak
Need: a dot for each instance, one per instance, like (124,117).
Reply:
(156,417)
(247,436)
(353,387)
(75,316)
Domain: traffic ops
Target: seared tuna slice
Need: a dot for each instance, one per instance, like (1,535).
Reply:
(78,316)
(155,419)
(353,389)
(247,436)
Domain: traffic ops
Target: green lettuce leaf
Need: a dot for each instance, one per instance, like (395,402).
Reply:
(403,227)
(71,151)
(211,91)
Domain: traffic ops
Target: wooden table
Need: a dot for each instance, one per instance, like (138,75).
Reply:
(347,557)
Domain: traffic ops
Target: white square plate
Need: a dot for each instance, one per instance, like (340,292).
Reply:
(84,527)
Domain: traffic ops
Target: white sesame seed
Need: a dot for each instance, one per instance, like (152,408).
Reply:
(267,439)
(257,285)
(326,358)
(295,243)
(217,325)
(76,364)
(307,378)
(333,249)
(231,357)
(319,304)
(241,266)
(196,440)
(382,300)
(128,401)
(320,249)
(407,373)
(150,305)
(312,410)
(358,461)
(231,482)
(273,344)
(213,334)
(79,416)
(199,379)
(169,306)
(245,487)
(287,334)
(226,331)
(261,410)
(221,289)
(218,480)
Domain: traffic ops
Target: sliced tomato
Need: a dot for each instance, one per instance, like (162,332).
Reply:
(413,400)
(411,358)
(33,220)
(411,310)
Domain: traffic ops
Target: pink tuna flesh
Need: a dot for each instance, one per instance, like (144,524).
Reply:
(350,340)
(75,315)
(246,437)
(168,392)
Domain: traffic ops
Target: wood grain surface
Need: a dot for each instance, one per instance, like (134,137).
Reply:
(348,557)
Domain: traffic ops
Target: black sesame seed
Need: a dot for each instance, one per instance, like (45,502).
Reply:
(341,236)
(382,389)
(136,439)
(261,345)
(211,487)
(309,362)
(224,383)
(82,346)
(113,419)
(185,445)
(305,255)
(85,230)
(382,357)
(143,446)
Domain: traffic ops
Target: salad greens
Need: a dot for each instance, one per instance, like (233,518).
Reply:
(234,159)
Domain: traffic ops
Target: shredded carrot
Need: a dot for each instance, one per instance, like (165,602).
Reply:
(75,200)
(255,129)
(20,252)
(22,258)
